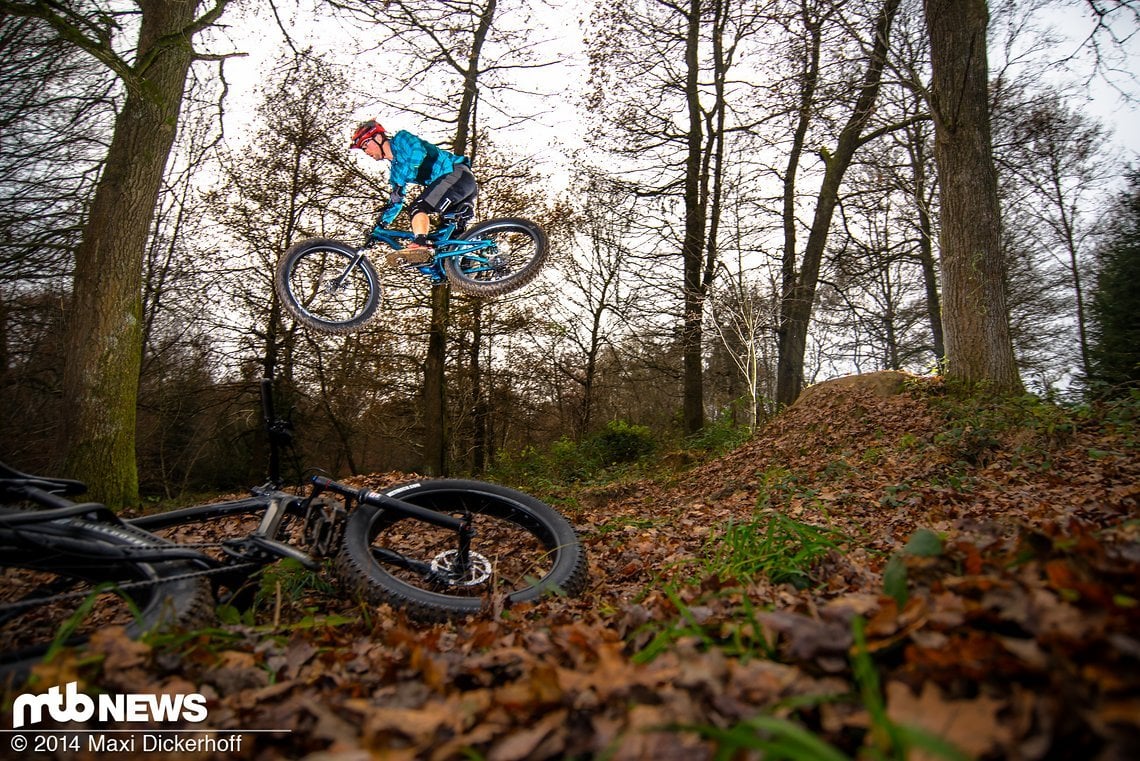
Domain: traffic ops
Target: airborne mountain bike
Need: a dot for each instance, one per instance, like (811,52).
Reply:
(438,549)
(333,287)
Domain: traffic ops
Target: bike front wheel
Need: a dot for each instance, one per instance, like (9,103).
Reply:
(521,550)
(327,285)
(518,252)
(65,579)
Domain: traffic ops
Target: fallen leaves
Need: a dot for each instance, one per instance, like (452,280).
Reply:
(1015,638)
(975,726)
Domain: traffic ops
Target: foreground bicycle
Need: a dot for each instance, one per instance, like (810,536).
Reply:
(438,549)
(333,287)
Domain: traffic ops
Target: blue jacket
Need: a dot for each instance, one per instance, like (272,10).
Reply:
(415,161)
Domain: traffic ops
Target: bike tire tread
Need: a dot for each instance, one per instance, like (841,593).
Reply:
(184,603)
(514,281)
(358,571)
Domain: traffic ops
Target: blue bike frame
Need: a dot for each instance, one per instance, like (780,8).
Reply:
(478,253)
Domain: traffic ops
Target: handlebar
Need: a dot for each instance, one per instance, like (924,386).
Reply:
(368,497)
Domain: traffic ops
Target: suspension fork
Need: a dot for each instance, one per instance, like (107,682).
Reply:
(466,532)
(463,527)
(338,281)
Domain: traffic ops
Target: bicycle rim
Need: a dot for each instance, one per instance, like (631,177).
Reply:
(521,550)
(326,287)
(515,258)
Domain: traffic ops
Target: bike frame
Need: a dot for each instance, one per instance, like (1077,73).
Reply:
(479,253)
(277,504)
(263,545)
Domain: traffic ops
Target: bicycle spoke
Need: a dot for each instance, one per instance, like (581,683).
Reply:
(327,285)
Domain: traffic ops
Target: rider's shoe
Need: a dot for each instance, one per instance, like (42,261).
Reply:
(417,251)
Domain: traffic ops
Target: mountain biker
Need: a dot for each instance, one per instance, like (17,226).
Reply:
(446,179)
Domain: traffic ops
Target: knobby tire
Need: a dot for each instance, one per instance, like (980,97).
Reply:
(51,570)
(308,282)
(529,551)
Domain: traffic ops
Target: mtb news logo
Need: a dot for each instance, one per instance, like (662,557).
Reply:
(69,704)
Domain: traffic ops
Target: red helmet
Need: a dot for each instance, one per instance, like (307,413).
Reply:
(365,132)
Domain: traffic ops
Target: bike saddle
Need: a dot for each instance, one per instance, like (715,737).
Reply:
(47,483)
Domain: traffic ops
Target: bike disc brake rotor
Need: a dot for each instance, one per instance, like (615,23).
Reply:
(477,571)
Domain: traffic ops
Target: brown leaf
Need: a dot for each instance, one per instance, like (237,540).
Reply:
(120,652)
(972,725)
(549,733)
(808,638)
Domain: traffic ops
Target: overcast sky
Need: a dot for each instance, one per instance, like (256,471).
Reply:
(557,130)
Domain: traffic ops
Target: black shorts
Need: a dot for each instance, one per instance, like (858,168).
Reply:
(451,190)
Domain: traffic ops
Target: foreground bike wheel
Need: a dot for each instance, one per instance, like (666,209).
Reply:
(326,286)
(521,550)
(516,258)
(64,580)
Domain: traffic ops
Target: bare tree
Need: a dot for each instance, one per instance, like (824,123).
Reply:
(293,181)
(1111,26)
(1058,164)
(55,120)
(667,94)
(975,313)
(801,276)
(743,311)
(105,318)
(594,297)
(449,74)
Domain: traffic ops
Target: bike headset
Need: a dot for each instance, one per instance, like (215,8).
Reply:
(366,131)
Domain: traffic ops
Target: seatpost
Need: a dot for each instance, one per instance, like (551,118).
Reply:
(276,430)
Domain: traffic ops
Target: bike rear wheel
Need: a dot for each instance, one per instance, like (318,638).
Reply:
(327,286)
(519,251)
(521,550)
(65,579)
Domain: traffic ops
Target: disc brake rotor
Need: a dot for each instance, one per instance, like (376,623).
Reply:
(446,565)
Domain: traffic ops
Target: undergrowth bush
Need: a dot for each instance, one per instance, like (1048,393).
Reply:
(978,423)
(720,436)
(616,446)
(616,452)
(621,442)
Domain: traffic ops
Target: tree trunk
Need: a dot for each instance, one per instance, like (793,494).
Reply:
(692,248)
(975,317)
(435,366)
(920,192)
(480,410)
(799,296)
(435,386)
(104,336)
(788,376)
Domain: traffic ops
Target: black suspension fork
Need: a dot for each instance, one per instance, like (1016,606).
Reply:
(335,284)
(339,281)
(463,527)
(466,533)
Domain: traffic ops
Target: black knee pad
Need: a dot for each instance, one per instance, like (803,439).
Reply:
(422,206)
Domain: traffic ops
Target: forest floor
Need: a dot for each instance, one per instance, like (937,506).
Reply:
(882,571)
